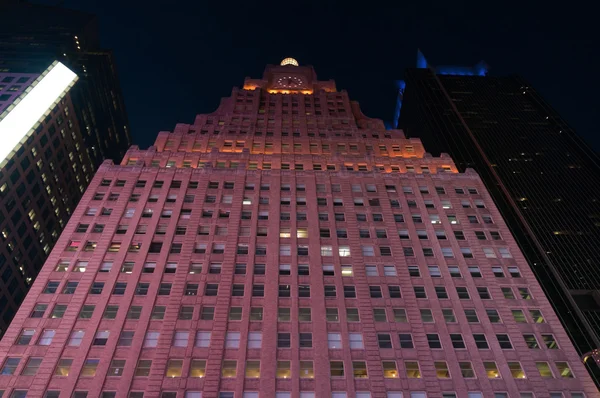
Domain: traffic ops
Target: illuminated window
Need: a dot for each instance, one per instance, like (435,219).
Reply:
(174,368)
(197,368)
(564,370)
(283,370)
(252,369)
(89,367)
(390,371)
(491,370)
(515,370)
(441,370)
(306,370)
(544,369)
(229,369)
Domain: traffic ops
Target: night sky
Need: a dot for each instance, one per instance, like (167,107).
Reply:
(178,59)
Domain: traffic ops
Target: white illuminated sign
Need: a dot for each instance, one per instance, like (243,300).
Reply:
(33,106)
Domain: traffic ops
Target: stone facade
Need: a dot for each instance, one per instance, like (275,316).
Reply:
(287,246)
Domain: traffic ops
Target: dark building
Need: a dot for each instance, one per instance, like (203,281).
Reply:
(59,148)
(32,36)
(543,177)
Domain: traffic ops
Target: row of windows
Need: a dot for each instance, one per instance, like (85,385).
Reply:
(224,164)
(284,340)
(207,313)
(287,232)
(285,394)
(288,187)
(258,290)
(228,145)
(301,269)
(185,214)
(286,250)
(229,368)
(301,201)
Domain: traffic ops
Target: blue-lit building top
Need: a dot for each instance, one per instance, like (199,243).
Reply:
(480,69)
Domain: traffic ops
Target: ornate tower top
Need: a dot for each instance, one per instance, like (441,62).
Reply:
(289,61)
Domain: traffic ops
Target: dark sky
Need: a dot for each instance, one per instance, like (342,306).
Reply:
(178,58)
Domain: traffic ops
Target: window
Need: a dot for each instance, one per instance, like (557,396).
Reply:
(514,272)
(480,341)
(202,339)
(375,291)
(252,370)
(46,337)
(334,340)
(426,315)
(471,316)
(116,367)
(232,340)
(420,292)
(466,369)
(536,316)
(305,340)
(336,369)
(544,369)
(63,367)
(126,338)
(491,370)
(516,371)
(76,338)
(207,313)
(355,341)
(524,293)
(143,367)
(254,340)
(493,316)
(457,341)
(151,339)
(38,311)
(101,337)
(549,341)
(441,292)
(442,372)
(449,316)
(504,341)
(462,292)
(180,339)
(379,315)
(283,340)
(331,314)
(31,367)
(352,315)
(433,339)
(89,367)
(412,370)
(405,340)
(564,370)
(483,292)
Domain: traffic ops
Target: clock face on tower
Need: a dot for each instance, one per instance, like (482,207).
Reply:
(289,82)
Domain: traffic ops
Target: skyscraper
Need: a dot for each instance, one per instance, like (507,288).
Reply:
(287,246)
(32,36)
(44,170)
(542,176)
(75,134)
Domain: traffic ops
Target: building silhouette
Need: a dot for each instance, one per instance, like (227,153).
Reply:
(75,134)
(542,176)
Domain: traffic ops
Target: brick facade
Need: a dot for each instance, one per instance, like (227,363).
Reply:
(278,247)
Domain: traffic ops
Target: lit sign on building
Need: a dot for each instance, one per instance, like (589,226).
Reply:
(34,104)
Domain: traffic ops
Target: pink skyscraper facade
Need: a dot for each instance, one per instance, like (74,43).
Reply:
(287,246)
